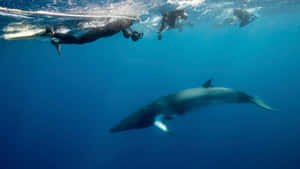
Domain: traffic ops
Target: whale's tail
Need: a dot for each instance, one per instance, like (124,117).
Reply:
(260,103)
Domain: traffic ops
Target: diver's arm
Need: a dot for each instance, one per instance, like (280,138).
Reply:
(126,34)
(159,36)
(162,27)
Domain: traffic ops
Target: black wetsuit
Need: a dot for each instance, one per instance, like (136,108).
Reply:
(244,16)
(169,19)
(96,33)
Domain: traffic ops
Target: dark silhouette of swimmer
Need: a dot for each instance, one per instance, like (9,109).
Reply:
(96,33)
(171,20)
(244,16)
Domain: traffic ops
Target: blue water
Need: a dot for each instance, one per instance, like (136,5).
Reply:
(56,110)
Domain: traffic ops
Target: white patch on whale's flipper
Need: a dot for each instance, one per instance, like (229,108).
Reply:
(161,125)
(158,122)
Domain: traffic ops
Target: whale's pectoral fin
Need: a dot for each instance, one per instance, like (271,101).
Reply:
(160,124)
(207,84)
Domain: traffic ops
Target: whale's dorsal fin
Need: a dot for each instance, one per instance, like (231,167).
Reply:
(207,84)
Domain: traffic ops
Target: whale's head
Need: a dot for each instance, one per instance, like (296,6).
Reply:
(142,118)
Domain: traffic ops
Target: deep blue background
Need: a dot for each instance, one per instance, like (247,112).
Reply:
(56,110)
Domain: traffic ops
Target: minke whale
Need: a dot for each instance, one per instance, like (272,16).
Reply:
(167,107)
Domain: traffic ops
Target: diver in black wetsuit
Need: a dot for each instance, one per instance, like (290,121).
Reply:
(96,33)
(244,16)
(171,20)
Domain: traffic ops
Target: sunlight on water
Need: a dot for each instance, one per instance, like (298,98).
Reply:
(148,11)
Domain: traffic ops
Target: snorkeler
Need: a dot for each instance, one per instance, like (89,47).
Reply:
(96,33)
(171,20)
(238,16)
(244,16)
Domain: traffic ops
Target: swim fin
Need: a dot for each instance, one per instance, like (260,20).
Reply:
(56,45)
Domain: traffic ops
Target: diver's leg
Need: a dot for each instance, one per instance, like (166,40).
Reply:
(65,38)
(70,39)
(162,27)
(56,44)
(62,38)
(93,35)
(85,38)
